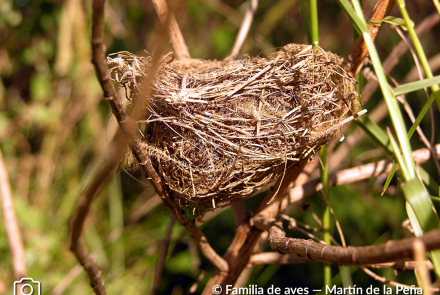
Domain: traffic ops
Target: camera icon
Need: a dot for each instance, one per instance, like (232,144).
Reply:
(27,286)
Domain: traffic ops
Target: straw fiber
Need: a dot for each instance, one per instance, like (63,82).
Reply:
(217,131)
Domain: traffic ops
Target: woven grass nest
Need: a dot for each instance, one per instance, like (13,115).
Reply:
(218,131)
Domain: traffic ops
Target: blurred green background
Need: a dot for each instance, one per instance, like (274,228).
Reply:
(55,129)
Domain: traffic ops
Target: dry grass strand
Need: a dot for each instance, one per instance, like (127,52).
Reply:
(218,131)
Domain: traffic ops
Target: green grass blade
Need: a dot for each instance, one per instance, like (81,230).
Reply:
(430,183)
(417,85)
(418,198)
(418,231)
(425,178)
(393,108)
(389,178)
(391,20)
(423,112)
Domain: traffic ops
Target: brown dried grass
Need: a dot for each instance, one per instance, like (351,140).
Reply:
(218,131)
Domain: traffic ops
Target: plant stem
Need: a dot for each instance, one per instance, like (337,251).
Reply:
(393,107)
(326,214)
(323,156)
(314,19)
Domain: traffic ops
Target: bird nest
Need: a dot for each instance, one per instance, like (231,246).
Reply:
(218,131)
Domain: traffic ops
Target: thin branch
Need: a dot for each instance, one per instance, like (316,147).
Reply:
(390,251)
(67,280)
(196,284)
(168,20)
(103,175)
(244,28)
(11,225)
(360,51)
(277,258)
(77,227)
(98,60)
(142,209)
(294,227)
(338,226)
(135,144)
(148,169)
(162,256)
(422,270)
(386,281)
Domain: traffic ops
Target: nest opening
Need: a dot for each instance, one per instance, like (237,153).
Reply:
(218,131)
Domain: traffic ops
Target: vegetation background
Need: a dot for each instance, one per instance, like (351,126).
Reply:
(55,128)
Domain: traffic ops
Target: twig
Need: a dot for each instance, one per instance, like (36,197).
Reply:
(167,19)
(162,256)
(103,175)
(11,225)
(142,210)
(360,51)
(422,270)
(386,281)
(338,226)
(67,280)
(194,286)
(390,251)
(294,227)
(98,59)
(277,258)
(244,28)
(77,227)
